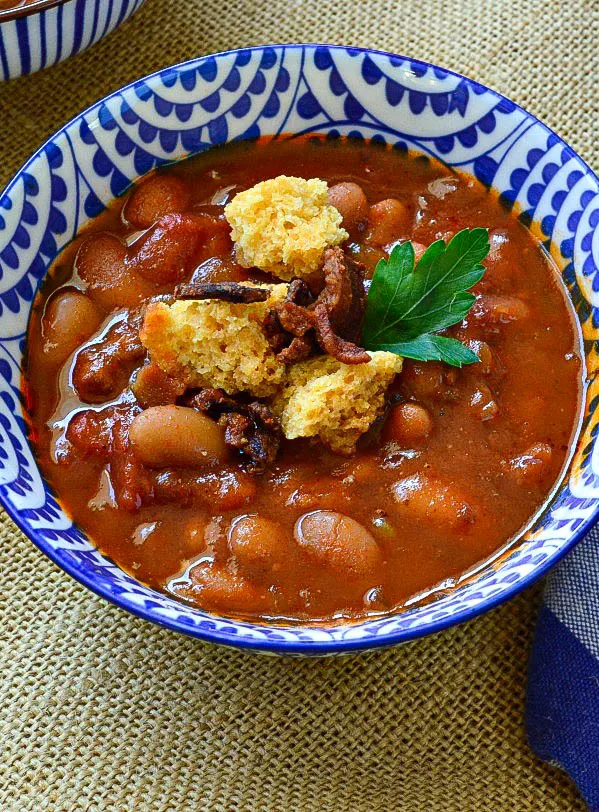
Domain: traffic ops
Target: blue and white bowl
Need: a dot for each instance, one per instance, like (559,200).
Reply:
(47,31)
(270,91)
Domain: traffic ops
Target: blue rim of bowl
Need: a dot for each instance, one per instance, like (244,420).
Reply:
(313,647)
(8,14)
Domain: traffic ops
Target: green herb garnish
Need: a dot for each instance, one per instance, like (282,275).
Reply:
(407,305)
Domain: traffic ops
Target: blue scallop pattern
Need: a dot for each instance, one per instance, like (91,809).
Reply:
(273,91)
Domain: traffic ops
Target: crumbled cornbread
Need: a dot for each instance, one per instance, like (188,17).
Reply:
(215,343)
(333,401)
(283,226)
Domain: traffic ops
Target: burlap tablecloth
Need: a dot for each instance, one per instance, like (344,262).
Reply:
(101,711)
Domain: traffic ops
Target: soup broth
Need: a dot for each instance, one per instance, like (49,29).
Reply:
(451,470)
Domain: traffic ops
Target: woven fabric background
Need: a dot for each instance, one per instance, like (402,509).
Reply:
(101,711)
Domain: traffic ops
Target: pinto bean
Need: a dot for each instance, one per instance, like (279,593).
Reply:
(483,404)
(533,466)
(431,380)
(214,587)
(193,537)
(338,541)
(485,357)
(427,499)
(153,198)
(101,263)
(70,317)
(499,309)
(351,203)
(256,543)
(388,221)
(408,423)
(233,490)
(164,436)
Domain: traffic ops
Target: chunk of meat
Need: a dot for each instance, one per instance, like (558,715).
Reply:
(90,432)
(256,434)
(223,291)
(343,294)
(105,434)
(102,369)
(290,318)
(251,428)
(294,318)
(131,482)
(299,293)
(335,346)
(334,318)
(299,348)
(168,252)
(154,387)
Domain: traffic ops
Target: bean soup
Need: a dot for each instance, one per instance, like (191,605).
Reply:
(207,409)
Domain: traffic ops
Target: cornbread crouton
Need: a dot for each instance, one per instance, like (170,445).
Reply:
(283,226)
(335,402)
(215,343)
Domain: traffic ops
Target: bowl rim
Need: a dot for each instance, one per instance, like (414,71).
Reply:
(8,14)
(283,646)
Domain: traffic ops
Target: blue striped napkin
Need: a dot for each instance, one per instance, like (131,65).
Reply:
(562,714)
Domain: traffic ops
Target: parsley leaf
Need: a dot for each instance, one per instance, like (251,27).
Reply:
(407,305)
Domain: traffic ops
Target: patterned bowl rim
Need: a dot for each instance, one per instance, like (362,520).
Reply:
(312,647)
(36,7)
